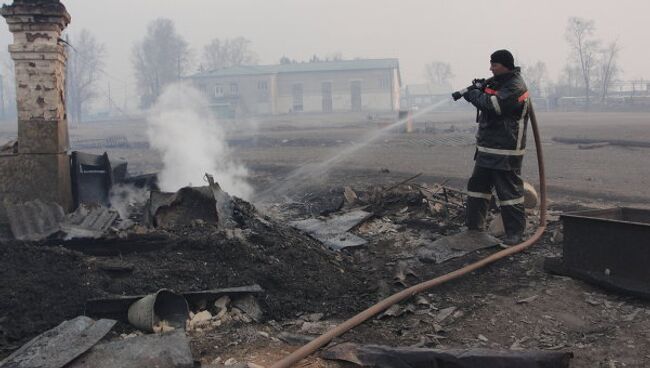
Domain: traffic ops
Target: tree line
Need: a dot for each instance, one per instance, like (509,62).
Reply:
(163,56)
(591,70)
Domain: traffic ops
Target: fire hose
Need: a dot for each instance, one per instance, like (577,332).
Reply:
(360,318)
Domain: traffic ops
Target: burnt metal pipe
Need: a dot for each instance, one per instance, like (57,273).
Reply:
(344,327)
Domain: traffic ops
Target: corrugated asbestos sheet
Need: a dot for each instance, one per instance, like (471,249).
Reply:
(37,220)
(34,220)
(88,222)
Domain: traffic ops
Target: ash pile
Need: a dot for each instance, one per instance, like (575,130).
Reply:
(127,241)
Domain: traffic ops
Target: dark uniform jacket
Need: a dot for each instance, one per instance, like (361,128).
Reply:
(503,120)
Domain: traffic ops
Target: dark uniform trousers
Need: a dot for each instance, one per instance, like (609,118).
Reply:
(500,148)
(509,188)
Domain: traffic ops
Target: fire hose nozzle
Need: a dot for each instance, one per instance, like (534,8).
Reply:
(458,94)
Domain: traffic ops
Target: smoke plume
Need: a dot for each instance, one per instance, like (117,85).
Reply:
(192,143)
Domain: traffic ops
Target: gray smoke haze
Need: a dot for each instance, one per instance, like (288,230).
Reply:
(417,31)
(191,143)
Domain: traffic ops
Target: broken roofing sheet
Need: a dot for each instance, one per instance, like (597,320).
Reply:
(60,345)
(74,344)
(34,220)
(37,220)
(334,231)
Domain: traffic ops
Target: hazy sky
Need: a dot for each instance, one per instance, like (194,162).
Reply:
(462,33)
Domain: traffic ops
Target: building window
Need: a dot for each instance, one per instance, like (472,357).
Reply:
(262,85)
(218,90)
(296,91)
(234,89)
(383,83)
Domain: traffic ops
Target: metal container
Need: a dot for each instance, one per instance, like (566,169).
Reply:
(609,247)
(164,305)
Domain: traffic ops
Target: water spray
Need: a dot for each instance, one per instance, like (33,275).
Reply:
(308,173)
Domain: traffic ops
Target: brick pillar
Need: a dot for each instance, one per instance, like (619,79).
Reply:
(42,164)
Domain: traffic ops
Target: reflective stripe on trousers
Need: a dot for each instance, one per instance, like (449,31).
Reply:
(487,196)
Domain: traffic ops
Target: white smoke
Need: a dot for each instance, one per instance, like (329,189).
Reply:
(125,198)
(192,143)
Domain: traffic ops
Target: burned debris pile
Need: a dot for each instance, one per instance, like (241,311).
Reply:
(188,242)
(347,218)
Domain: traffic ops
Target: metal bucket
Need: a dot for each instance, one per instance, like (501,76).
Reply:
(164,305)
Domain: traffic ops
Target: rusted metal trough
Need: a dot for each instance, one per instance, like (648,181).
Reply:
(609,247)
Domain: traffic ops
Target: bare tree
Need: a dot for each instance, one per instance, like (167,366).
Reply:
(571,81)
(228,52)
(85,64)
(286,60)
(579,35)
(439,74)
(162,57)
(609,68)
(536,76)
(335,56)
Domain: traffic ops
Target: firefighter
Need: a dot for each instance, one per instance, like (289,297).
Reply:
(502,103)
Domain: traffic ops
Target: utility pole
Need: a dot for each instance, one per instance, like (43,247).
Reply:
(2,98)
(110,112)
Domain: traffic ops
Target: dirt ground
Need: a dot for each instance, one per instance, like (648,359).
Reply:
(513,304)
(613,173)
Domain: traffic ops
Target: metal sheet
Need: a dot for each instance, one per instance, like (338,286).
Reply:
(607,247)
(92,178)
(388,357)
(333,232)
(60,345)
(171,350)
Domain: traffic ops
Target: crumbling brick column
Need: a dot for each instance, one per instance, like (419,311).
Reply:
(40,168)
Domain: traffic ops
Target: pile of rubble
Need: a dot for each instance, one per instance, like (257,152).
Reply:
(197,239)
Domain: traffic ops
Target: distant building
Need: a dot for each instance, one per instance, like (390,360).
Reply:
(370,85)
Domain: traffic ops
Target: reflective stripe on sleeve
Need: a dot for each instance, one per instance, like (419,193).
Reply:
(495,104)
(511,202)
(487,196)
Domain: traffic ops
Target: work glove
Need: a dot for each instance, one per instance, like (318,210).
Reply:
(479,84)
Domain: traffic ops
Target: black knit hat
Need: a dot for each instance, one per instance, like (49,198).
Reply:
(503,57)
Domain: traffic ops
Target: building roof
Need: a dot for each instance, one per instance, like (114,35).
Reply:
(321,66)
